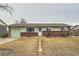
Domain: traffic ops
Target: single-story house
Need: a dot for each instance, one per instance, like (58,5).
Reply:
(75,30)
(39,29)
(3,28)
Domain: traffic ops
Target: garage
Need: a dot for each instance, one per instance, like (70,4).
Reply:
(15,33)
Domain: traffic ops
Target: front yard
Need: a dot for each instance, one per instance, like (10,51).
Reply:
(21,47)
(61,46)
(51,47)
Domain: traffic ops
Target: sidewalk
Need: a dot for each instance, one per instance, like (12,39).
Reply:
(5,40)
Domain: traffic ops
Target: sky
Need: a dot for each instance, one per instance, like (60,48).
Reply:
(43,13)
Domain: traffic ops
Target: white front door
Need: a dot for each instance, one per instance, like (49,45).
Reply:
(40,33)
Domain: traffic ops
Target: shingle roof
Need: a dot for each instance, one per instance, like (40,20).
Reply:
(40,24)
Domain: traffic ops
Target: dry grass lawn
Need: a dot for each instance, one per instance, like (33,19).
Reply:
(61,46)
(22,47)
(51,46)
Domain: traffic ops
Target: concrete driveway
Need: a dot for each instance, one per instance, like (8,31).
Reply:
(5,40)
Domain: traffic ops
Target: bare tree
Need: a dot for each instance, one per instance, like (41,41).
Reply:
(22,21)
(7,8)
(17,22)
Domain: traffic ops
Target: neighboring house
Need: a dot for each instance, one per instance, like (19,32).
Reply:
(3,28)
(75,30)
(39,29)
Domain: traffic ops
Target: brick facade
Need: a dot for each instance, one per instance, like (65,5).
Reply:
(56,34)
(28,34)
(47,34)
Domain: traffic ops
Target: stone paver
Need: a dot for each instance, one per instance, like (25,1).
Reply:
(40,47)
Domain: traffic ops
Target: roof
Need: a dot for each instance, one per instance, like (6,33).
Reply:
(3,22)
(76,27)
(40,24)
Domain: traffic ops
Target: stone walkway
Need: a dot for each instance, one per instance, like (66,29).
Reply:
(40,47)
(5,40)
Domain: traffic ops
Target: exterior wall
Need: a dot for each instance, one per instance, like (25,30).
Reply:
(56,29)
(36,30)
(16,31)
(56,34)
(66,28)
(23,29)
(3,31)
(28,34)
(52,29)
(44,29)
(59,29)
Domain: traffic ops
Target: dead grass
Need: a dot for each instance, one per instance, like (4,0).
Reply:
(51,46)
(61,46)
(22,47)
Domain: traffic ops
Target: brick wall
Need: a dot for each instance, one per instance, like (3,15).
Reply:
(56,34)
(28,34)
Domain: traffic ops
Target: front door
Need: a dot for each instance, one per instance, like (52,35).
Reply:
(40,33)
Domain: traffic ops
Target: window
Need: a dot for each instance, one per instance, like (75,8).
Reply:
(62,28)
(48,29)
(30,29)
